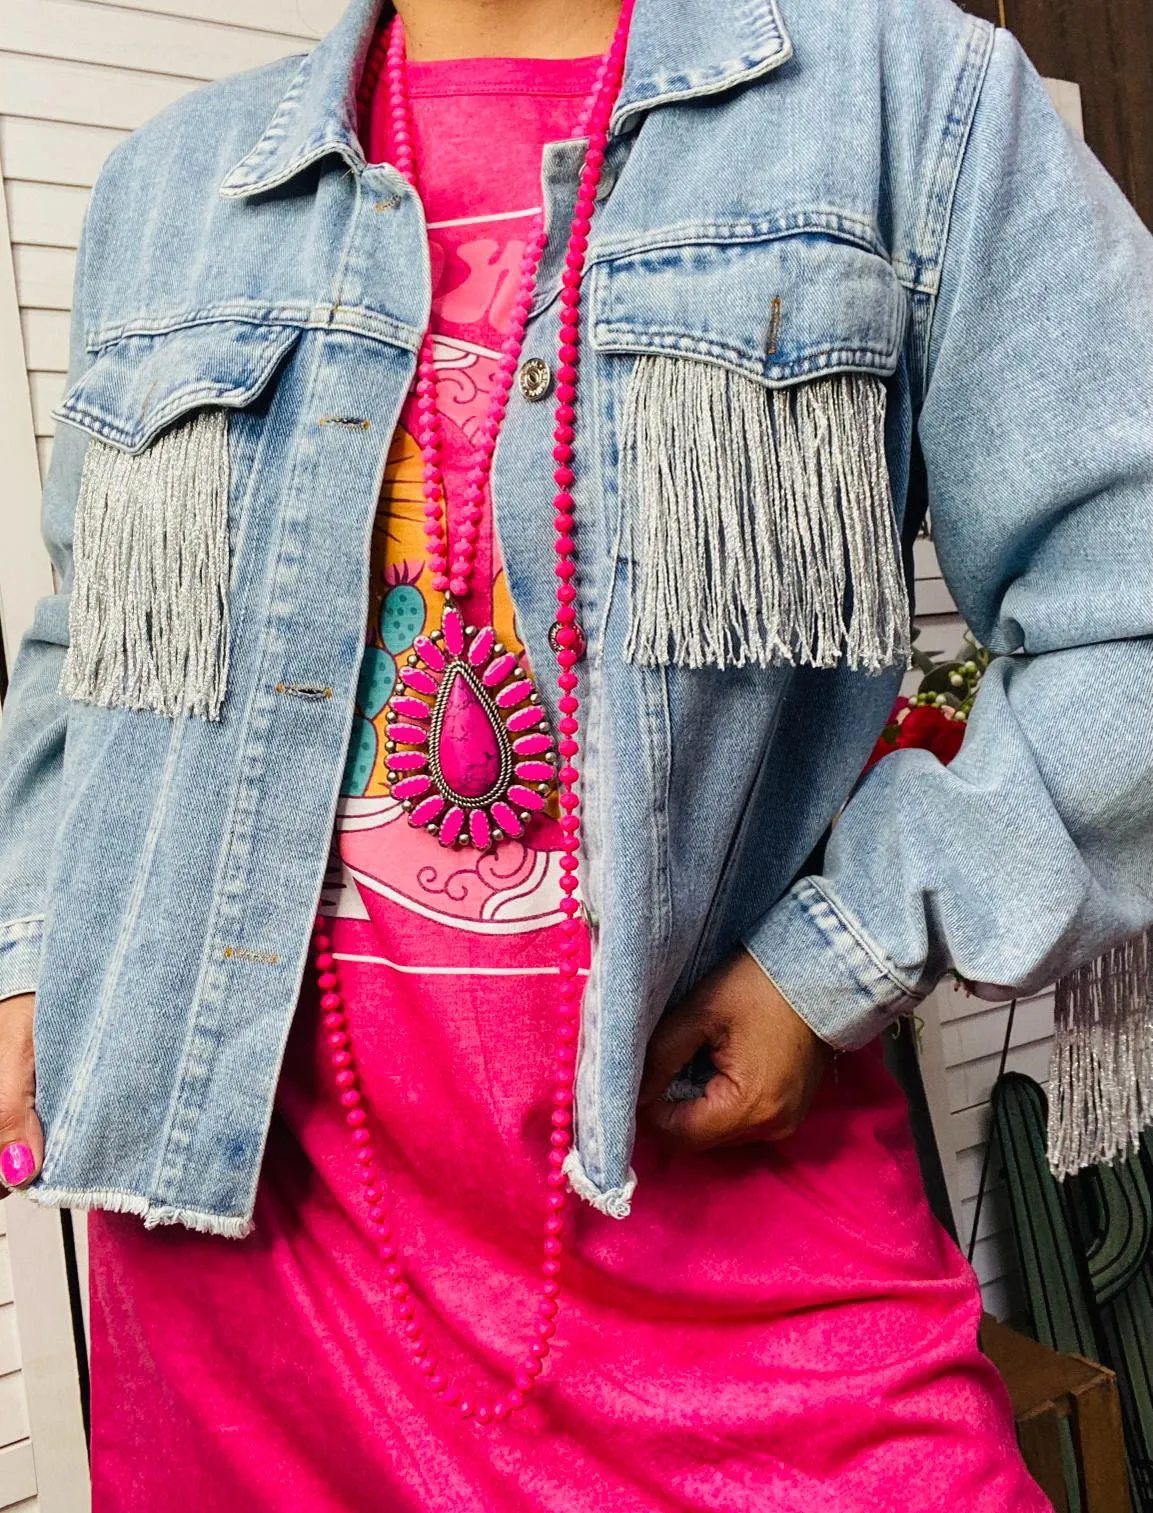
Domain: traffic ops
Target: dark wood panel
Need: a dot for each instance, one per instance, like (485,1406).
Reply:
(1105,46)
(990,9)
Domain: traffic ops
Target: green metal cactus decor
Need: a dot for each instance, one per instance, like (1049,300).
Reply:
(1085,1248)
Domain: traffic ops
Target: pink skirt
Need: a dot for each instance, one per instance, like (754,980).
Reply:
(780,1327)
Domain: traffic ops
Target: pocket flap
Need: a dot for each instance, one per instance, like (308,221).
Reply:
(140,384)
(777,310)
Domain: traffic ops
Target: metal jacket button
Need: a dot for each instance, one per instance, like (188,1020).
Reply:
(577,642)
(534,378)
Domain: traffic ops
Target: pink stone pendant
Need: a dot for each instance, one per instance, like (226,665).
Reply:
(469,753)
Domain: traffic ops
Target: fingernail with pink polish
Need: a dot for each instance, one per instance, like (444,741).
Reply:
(17,1163)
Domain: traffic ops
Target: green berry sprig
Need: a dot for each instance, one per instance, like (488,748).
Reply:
(952,685)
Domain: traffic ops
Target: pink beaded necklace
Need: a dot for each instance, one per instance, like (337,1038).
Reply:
(458,674)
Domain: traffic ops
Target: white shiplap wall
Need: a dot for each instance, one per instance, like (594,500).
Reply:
(17,1469)
(75,77)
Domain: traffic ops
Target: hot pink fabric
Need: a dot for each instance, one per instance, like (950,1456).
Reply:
(780,1327)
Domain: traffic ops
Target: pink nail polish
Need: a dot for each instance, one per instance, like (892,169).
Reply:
(17,1163)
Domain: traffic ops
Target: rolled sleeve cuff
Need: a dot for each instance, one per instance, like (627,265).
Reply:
(20,941)
(826,968)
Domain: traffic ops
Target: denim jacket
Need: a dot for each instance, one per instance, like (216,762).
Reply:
(830,236)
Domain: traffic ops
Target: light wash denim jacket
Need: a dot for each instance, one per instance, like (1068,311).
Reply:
(824,229)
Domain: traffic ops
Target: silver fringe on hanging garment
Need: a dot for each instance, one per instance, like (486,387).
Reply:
(148,624)
(759,516)
(1101,1079)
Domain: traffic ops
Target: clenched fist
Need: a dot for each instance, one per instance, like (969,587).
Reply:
(769,1062)
(21,1138)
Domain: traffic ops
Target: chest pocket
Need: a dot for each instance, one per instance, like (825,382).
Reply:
(759,517)
(148,622)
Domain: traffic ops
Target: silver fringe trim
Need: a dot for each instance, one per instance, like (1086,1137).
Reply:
(1101,1080)
(758,511)
(148,624)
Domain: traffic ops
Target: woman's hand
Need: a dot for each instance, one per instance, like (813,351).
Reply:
(21,1138)
(769,1062)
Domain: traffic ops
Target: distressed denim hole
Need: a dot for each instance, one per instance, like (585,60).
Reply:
(311,692)
(774,326)
(243,953)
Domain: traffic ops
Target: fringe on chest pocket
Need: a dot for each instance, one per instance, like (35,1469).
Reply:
(148,621)
(763,528)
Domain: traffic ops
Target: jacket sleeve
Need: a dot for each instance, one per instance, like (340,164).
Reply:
(1032,852)
(35,715)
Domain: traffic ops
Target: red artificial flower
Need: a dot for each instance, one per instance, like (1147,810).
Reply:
(926,726)
(930,728)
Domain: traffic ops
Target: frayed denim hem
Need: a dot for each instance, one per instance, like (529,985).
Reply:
(153,1214)
(616,1202)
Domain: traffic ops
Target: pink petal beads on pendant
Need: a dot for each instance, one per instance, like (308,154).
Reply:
(429,652)
(406,761)
(411,709)
(416,677)
(451,825)
(481,646)
(498,670)
(428,809)
(526,798)
(479,829)
(525,719)
(411,788)
(453,628)
(408,735)
(532,745)
(534,772)
(507,818)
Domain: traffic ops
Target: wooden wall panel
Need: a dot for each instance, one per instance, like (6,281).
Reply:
(1106,47)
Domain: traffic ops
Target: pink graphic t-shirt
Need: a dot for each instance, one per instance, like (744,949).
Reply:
(402,901)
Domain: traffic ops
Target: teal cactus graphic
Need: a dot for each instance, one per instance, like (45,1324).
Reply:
(401,617)
(377,680)
(361,760)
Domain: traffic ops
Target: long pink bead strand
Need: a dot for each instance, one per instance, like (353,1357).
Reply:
(452,575)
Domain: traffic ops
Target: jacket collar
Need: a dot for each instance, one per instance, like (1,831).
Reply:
(678,50)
